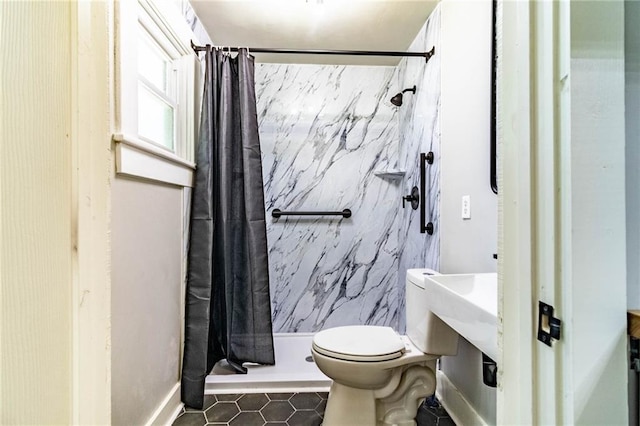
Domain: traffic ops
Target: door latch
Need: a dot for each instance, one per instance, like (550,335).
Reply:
(548,325)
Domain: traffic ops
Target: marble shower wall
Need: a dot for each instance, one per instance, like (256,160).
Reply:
(419,131)
(324,131)
(201,35)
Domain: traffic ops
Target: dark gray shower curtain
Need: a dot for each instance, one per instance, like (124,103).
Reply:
(228,311)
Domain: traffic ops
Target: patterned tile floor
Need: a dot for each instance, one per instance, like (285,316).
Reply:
(285,409)
(431,413)
(259,409)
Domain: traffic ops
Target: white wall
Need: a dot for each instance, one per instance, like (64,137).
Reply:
(597,368)
(467,246)
(147,244)
(632,104)
(632,124)
(36,225)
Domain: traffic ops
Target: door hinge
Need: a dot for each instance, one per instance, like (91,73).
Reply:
(548,325)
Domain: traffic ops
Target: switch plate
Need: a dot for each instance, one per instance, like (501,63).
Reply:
(466,207)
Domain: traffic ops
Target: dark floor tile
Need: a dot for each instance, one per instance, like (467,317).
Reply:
(222,412)
(446,421)
(209,400)
(275,424)
(305,401)
(438,411)
(279,396)
(228,396)
(305,418)
(432,413)
(277,411)
(426,419)
(252,401)
(321,407)
(247,418)
(323,395)
(190,419)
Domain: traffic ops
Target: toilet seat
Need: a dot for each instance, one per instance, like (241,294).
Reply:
(365,343)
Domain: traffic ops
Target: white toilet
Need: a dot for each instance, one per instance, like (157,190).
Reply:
(380,377)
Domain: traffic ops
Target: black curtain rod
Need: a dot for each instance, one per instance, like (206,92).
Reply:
(425,55)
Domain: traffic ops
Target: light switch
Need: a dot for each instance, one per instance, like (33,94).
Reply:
(466,207)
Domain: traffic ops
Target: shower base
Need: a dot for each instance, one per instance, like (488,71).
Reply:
(292,372)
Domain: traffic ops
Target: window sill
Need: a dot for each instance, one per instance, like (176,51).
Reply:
(144,160)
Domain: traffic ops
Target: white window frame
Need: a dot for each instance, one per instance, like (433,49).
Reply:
(135,155)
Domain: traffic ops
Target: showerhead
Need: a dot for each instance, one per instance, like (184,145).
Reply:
(397,99)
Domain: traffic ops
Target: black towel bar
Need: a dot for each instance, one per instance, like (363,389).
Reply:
(277,213)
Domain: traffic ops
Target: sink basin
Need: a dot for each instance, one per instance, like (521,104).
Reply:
(468,303)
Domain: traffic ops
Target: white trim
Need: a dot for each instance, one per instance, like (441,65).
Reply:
(142,163)
(515,398)
(152,149)
(459,409)
(266,387)
(171,33)
(560,95)
(167,16)
(91,171)
(169,409)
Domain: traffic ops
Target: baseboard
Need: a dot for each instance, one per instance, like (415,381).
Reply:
(461,412)
(169,409)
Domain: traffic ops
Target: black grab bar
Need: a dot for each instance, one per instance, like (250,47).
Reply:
(424,160)
(277,213)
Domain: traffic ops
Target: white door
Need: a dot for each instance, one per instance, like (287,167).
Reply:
(562,211)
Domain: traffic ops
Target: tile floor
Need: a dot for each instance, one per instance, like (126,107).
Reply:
(285,409)
(431,413)
(259,409)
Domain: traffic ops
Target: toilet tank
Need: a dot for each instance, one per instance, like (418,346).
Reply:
(428,332)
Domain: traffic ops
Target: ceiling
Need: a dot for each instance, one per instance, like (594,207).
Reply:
(315,24)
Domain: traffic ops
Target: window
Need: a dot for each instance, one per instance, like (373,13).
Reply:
(155,92)
(157,103)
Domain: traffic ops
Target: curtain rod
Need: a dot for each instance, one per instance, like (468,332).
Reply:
(425,55)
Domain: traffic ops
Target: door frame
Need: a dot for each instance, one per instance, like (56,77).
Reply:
(561,220)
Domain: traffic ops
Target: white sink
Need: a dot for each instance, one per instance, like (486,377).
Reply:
(468,303)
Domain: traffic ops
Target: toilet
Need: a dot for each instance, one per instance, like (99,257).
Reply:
(380,377)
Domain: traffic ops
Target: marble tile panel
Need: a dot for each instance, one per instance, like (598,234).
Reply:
(419,131)
(324,131)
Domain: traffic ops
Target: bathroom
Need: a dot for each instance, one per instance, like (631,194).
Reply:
(121,332)
(331,139)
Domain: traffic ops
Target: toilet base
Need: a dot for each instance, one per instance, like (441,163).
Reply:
(392,405)
(349,406)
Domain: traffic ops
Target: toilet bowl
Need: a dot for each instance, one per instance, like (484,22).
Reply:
(380,377)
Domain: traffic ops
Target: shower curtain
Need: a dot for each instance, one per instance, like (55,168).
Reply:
(228,311)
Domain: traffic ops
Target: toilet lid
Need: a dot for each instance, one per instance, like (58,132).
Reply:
(359,343)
